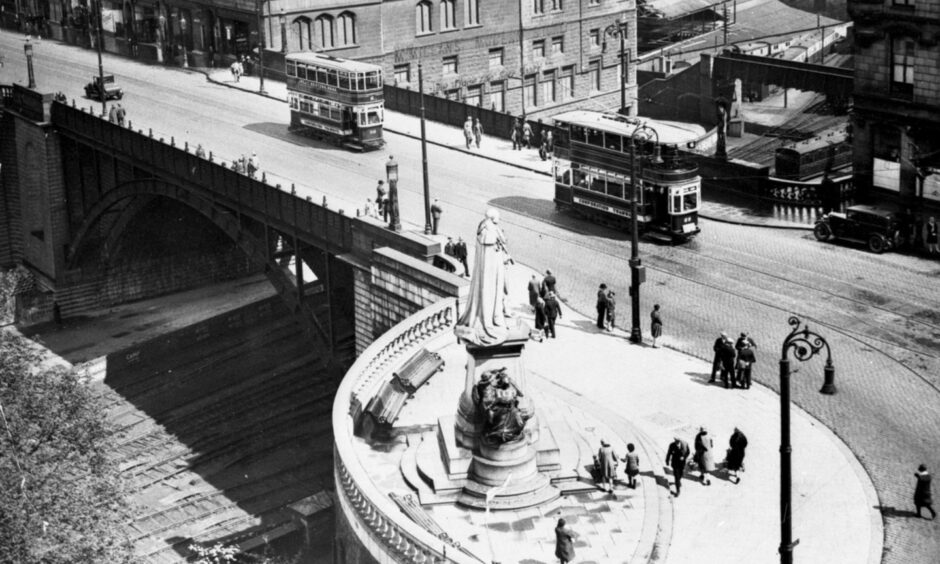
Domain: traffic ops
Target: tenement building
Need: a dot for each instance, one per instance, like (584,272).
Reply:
(528,54)
(896,117)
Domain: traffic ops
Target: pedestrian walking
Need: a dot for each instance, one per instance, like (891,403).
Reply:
(745,347)
(236,70)
(543,149)
(540,316)
(436,212)
(112,114)
(922,495)
(564,542)
(734,461)
(121,114)
(601,306)
(932,236)
(477,131)
(676,456)
(605,465)
(468,131)
(369,209)
(703,454)
(243,164)
(253,164)
(548,283)
(527,134)
(533,288)
(200,152)
(716,363)
(515,134)
(381,200)
(550,141)
(611,310)
(460,252)
(632,465)
(552,312)
(656,324)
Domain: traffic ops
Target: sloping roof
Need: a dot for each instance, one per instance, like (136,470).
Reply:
(668,132)
(676,8)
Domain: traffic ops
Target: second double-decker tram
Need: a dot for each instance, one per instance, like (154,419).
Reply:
(336,99)
(592,163)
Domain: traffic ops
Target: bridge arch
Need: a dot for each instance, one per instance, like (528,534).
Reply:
(145,189)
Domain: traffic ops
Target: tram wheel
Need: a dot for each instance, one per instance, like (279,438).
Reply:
(822,231)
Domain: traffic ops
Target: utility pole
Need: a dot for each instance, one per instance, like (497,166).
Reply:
(101,90)
(260,7)
(424,157)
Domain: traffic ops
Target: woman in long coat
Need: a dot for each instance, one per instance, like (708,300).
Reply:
(564,542)
(606,466)
(922,495)
(703,454)
(735,462)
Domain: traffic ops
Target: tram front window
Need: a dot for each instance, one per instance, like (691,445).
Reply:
(374,118)
(690,202)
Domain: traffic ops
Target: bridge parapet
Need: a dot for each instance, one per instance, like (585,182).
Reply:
(386,533)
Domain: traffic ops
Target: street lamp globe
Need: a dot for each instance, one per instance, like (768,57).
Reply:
(391,169)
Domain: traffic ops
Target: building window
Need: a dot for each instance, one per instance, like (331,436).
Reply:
(567,82)
(346,28)
(902,68)
(497,96)
(528,87)
(448,19)
(450,65)
(538,48)
(423,17)
(402,74)
(594,75)
(594,2)
(324,29)
(473,12)
(302,30)
(595,35)
(904,3)
(496,58)
(538,6)
(474,95)
(557,6)
(452,94)
(548,87)
(558,45)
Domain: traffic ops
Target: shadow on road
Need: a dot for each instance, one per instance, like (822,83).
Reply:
(280,132)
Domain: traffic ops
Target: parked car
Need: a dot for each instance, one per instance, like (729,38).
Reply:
(103,88)
(879,228)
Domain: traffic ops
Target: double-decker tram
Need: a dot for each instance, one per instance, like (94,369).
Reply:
(592,168)
(336,99)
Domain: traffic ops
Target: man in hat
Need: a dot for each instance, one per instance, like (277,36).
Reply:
(460,253)
(606,464)
(716,363)
(676,456)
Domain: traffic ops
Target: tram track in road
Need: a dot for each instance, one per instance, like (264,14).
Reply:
(865,340)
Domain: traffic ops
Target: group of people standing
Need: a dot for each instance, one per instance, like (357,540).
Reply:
(734,360)
(677,456)
(245,165)
(522,135)
(117,114)
(458,250)
(545,302)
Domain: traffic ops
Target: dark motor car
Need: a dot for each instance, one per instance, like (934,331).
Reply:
(879,228)
(103,87)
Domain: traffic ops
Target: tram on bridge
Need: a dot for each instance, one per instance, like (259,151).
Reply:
(336,99)
(592,162)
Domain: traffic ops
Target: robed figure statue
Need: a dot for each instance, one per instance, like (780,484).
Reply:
(484,322)
(497,398)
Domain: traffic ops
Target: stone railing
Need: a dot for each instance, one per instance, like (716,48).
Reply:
(390,532)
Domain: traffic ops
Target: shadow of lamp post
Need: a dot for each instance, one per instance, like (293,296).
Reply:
(391,172)
(805,345)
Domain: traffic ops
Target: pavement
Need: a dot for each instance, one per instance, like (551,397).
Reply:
(727,208)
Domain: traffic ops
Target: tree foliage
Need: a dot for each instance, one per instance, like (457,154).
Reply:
(61,500)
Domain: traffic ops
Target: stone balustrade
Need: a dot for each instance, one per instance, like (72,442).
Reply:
(393,537)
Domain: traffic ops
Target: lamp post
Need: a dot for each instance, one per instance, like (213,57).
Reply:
(424,157)
(637,272)
(260,7)
(391,172)
(161,38)
(183,33)
(619,30)
(28,49)
(805,345)
(101,90)
(283,21)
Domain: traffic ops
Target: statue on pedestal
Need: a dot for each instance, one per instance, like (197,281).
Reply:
(497,398)
(483,322)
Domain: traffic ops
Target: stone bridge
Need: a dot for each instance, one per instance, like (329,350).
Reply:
(101,213)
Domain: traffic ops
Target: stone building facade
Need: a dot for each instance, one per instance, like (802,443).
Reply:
(535,55)
(896,114)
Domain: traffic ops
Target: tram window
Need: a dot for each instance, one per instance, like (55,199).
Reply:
(344,80)
(599,185)
(372,80)
(615,189)
(579,179)
(374,118)
(595,137)
(577,133)
(613,141)
(291,68)
(330,77)
(691,202)
(360,81)
(676,203)
(562,171)
(304,106)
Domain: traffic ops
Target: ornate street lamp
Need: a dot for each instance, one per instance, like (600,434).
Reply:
(28,49)
(645,134)
(391,172)
(805,344)
(619,29)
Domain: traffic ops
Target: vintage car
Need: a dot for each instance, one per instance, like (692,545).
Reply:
(110,91)
(879,228)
